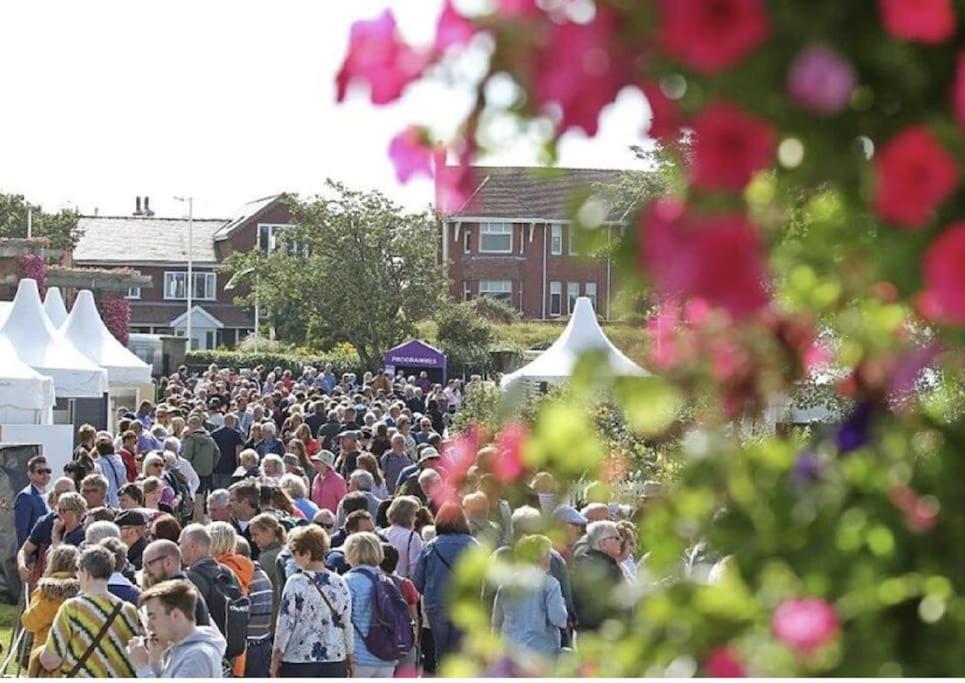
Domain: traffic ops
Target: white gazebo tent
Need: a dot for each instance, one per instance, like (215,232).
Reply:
(54,307)
(39,345)
(556,364)
(26,396)
(86,331)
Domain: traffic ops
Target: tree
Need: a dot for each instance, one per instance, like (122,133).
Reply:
(354,268)
(60,228)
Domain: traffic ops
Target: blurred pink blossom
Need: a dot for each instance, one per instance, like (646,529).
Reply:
(805,624)
(509,465)
(724,663)
(820,80)
(453,29)
(411,153)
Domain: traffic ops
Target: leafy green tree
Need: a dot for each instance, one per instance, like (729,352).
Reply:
(465,335)
(60,228)
(353,268)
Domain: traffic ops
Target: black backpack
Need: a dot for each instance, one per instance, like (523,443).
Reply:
(185,511)
(229,607)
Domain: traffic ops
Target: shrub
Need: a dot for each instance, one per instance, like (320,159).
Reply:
(341,360)
(495,310)
(465,337)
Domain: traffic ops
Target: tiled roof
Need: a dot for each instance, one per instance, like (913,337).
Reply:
(531,193)
(246,213)
(128,239)
(161,314)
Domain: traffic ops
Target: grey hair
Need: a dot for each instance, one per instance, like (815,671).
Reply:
(198,534)
(219,496)
(402,511)
(73,501)
(273,459)
(362,479)
(172,443)
(268,427)
(527,520)
(98,531)
(293,485)
(426,476)
(597,531)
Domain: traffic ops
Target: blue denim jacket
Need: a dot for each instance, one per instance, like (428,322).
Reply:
(434,568)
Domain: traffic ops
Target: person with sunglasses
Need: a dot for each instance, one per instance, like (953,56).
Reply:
(596,576)
(30,503)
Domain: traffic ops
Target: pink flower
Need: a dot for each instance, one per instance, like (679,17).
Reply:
(411,153)
(915,174)
(525,9)
(712,35)
(459,455)
(664,119)
(581,70)
(805,624)
(944,276)
(454,184)
(377,55)
(958,90)
(452,29)
(724,663)
(923,21)
(717,257)
(509,465)
(729,147)
(820,80)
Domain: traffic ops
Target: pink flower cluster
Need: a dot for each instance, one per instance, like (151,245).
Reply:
(116,312)
(32,266)
(805,624)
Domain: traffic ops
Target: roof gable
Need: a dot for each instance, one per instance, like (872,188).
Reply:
(247,213)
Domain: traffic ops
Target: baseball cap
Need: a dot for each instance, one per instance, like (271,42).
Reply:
(130,518)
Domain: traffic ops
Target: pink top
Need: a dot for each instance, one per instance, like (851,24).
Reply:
(327,491)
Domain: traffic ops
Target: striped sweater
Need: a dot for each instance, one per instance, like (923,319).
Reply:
(78,622)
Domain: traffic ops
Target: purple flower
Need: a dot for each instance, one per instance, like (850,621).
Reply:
(807,468)
(853,433)
(820,80)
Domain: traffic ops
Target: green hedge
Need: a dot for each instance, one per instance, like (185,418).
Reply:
(342,361)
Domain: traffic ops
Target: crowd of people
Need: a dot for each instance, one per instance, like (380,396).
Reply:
(254,524)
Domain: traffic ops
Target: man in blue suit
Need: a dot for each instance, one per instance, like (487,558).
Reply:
(31,504)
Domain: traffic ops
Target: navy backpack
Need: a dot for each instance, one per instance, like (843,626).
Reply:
(390,635)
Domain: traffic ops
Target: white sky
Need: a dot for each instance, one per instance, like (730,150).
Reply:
(225,100)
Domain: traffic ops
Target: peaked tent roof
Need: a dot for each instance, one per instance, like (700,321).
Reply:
(39,345)
(582,334)
(416,352)
(85,329)
(23,390)
(54,307)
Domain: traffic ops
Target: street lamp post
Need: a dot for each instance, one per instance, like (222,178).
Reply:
(190,283)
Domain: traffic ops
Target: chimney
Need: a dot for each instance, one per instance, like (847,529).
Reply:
(137,211)
(147,207)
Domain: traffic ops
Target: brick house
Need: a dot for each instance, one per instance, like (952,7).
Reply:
(512,240)
(158,248)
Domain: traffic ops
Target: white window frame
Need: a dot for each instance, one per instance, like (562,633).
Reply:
(133,293)
(497,230)
(209,290)
(273,229)
(467,240)
(556,239)
(466,290)
(556,291)
(572,294)
(497,289)
(590,290)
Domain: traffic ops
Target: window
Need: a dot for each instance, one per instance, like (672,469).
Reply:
(495,238)
(590,290)
(572,246)
(133,293)
(556,239)
(572,292)
(497,289)
(205,286)
(556,299)
(467,241)
(466,290)
(268,237)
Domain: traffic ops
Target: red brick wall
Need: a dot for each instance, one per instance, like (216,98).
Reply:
(525,269)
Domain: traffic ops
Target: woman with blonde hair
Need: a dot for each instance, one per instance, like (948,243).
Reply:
(402,535)
(304,434)
(58,583)
(295,487)
(224,542)
(363,552)
(272,469)
(153,488)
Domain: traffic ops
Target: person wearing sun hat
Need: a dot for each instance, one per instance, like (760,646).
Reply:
(328,486)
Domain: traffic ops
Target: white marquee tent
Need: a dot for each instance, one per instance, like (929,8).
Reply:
(38,344)
(86,331)
(26,396)
(557,363)
(54,307)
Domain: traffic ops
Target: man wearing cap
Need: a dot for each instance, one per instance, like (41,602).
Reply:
(133,526)
(348,455)
(429,458)
(328,487)
(573,524)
